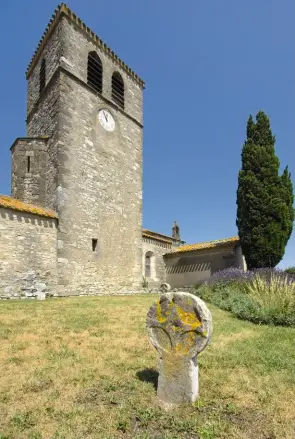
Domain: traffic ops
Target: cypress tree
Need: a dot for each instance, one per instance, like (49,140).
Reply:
(265,211)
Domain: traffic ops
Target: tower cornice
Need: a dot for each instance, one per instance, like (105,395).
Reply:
(64,10)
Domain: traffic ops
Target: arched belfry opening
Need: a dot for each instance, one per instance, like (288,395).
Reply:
(118,89)
(94,71)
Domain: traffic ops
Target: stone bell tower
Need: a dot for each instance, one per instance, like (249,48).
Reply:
(84,128)
(176,235)
(175,231)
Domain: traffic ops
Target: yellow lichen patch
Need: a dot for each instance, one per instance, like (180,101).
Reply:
(160,317)
(183,347)
(182,327)
(188,318)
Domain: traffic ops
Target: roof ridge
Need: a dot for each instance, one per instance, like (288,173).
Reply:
(156,233)
(156,238)
(216,240)
(206,245)
(62,8)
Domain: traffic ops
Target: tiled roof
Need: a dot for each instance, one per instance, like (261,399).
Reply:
(63,9)
(219,243)
(156,234)
(13,203)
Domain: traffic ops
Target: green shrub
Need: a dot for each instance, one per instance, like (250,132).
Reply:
(275,297)
(290,270)
(223,296)
(263,299)
(276,293)
(145,283)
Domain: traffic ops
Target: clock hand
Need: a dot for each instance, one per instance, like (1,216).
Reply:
(106,117)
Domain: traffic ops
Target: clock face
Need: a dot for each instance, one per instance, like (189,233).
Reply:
(106,120)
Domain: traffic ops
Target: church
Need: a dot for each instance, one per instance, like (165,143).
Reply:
(73,222)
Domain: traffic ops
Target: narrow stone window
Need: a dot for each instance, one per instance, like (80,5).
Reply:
(147,266)
(28,163)
(94,71)
(94,244)
(118,89)
(42,75)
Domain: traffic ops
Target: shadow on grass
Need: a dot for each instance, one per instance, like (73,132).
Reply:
(148,376)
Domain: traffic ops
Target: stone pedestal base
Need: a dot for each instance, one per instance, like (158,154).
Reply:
(178,381)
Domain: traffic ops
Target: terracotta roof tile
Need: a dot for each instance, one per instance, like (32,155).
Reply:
(13,203)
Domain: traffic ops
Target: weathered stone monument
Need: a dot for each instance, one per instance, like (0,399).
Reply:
(179,326)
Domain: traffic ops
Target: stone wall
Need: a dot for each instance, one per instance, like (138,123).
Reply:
(100,187)
(28,255)
(52,53)
(155,249)
(29,160)
(43,120)
(194,267)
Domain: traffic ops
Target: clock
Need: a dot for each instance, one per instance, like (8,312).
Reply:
(106,120)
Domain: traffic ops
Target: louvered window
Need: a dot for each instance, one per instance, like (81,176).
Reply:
(42,75)
(118,89)
(94,71)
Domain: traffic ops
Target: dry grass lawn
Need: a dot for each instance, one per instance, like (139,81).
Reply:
(82,368)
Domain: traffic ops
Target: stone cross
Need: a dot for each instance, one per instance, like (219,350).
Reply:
(179,326)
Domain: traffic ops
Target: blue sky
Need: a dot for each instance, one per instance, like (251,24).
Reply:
(207,66)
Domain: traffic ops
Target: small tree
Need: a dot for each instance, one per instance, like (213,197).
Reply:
(265,211)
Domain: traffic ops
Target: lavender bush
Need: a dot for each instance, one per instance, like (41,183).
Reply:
(264,295)
(269,274)
(236,275)
(230,275)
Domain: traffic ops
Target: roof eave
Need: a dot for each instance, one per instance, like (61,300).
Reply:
(216,249)
(43,138)
(6,202)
